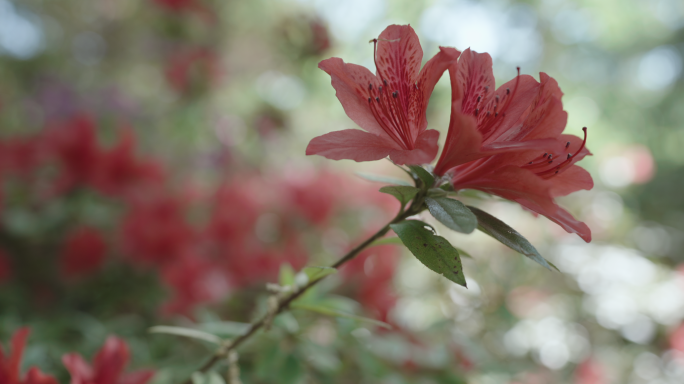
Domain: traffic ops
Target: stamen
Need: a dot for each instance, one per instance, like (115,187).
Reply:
(477,110)
(395,94)
(508,91)
(479,98)
(370,86)
(567,144)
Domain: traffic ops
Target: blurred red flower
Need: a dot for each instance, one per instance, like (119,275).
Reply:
(9,365)
(155,230)
(509,142)
(187,6)
(119,171)
(371,273)
(193,280)
(193,68)
(108,366)
(5,267)
(390,105)
(589,371)
(83,252)
(74,144)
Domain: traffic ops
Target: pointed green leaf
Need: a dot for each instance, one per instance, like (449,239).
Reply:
(463,253)
(433,251)
(225,328)
(507,236)
(403,193)
(316,272)
(385,241)
(286,276)
(383,179)
(452,213)
(423,175)
(437,192)
(335,313)
(186,332)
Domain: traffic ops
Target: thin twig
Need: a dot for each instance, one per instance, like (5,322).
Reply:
(416,207)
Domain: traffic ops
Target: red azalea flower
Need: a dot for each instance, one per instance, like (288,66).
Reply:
(107,368)
(390,105)
(509,142)
(9,365)
(187,6)
(589,371)
(83,252)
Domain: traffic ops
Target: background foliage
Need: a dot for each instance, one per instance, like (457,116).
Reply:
(218,99)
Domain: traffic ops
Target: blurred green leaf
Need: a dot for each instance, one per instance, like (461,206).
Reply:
(225,328)
(452,213)
(335,313)
(426,177)
(211,377)
(437,192)
(286,276)
(507,236)
(403,193)
(435,252)
(318,272)
(385,241)
(383,179)
(186,332)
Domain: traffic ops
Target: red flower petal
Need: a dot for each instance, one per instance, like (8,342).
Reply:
(35,376)
(423,153)
(79,369)
(399,57)
(428,77)
(351,144)
(110,361)
(139,377)
(351,83)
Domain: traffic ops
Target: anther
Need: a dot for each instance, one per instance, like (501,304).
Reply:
(487,88)
(496,114)
(479,98)
(529,162)
(380,88)
(369,100)
(370,86)
(497,98)
(567,144)
(508,91)
(550,161)
(546,154)
(569,155)
(377,99)
(395,94)
(550,157)
(384,81)
(477,110)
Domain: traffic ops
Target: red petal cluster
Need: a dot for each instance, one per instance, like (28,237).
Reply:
(83,252)
(509,142)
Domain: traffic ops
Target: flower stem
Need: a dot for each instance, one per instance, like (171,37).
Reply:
(416,207)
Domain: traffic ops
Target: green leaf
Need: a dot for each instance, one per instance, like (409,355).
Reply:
(286,276)
(186,332)
(463,253)
(385,241)
(437,192)
(433,251)
(403,193)
(423,175)
(316,272)
(452,213)
(383,179)
(207,378)
(335,313)
(507,236)
(225,328)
